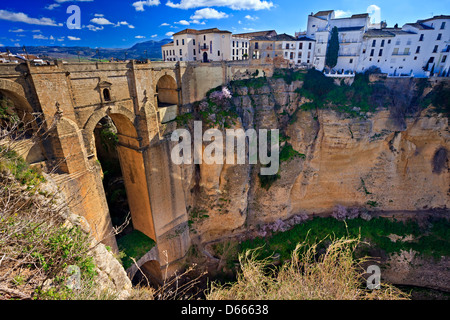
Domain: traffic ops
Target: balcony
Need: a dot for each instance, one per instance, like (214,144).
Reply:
(204,48)
(401,53)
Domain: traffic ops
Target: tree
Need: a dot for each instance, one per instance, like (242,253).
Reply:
(333,49)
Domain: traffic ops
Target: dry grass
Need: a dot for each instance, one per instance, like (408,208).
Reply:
(333,275)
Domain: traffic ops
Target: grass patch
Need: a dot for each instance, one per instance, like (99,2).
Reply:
(134,245)
(434,242)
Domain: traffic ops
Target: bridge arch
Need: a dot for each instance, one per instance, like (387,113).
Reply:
(167,98)
(131,163)
(14,106)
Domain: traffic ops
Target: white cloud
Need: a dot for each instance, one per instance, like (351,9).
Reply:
(36,31)
(170,34)
(94,28)
(342,14)
(208,13)
(153,35)
(252,18)
(140,37)
(101,21)
(73,38)
(99,15)
(197,22)
(17,30)
(183,22)
(165,24)
(124,23)
(232,4)
(40,37)
(52,38)
(22,17)
(52,6)
(61,39)
(139,5)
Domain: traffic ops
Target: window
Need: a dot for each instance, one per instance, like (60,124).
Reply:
(177,43)
(301,45)
(406,51)
(106,95)
(418,49)
(397,43)
(181,52)
(395,52)
(218,53)
(193,42)
(182,42)
(233,43)
(256,45)
(194,52)
(372,52)
(351,61)
(286,54)
(421,37)
(287,46)
(310,46)
(444,58)
(389,41)
(204,38)
(439,37)
(382,43)
(380,53)
(443,25)
(435,49)
(415,58)
(374,43)
(233,52)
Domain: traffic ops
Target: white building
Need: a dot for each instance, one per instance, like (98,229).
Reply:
(198,45)
(414,50)
(351,31)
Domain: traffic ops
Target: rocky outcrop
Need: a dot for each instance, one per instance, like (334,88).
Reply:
(365,161)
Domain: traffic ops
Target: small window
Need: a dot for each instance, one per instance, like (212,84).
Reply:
(310,46)
(177,43)
(193,42)
(380,53)
(194,52)
(106,95)
(439,37)
(182,42)
(444,58)
(181,52)
(382,43)
(418,49)
(218,53)
(372,52)
(443,25)
(204,38)
(351,61)
(435,49)
(374,43)
(421,37)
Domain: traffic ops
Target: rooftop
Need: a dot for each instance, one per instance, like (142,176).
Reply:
(257,34)
(420,26)
(204,31)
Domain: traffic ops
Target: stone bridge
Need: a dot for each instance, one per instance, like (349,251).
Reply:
(141,99)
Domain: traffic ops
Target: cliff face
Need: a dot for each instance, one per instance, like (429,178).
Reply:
(367,161)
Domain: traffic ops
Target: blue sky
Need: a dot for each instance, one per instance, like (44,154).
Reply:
(121,24)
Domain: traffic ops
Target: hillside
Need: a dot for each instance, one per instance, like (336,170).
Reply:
(149,49)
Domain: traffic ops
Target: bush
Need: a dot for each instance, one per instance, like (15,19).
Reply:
(333,275)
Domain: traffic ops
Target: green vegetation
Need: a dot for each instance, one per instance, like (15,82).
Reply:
(134,246)
(7,110)
(288,153)
(289,75)
(310,274)
(332,54)
(17,166)
(432,242)
(109,138)
(184,119)
(267,181)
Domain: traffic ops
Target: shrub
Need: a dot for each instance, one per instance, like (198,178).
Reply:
(440,160)
(334,275)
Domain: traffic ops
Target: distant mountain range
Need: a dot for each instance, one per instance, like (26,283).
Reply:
(148,49)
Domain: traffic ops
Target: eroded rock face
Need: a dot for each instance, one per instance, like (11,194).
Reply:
(354,162)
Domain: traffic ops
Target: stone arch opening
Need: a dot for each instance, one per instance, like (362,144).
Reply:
(15,111)
(116,147)
(167,98)
(205,57)
(149,274)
